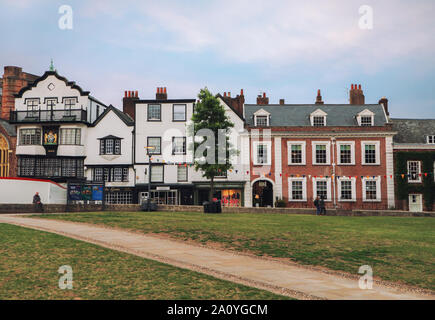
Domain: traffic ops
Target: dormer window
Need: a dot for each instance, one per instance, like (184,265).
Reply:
(365,118)
(430,139)
(110,145)
(261,118)
(318,118)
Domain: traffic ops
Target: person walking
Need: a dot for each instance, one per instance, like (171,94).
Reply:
(37,204)
(322,206)
(317,204)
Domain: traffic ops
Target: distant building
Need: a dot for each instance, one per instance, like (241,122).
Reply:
(13,80)
(340,152)
(414,157)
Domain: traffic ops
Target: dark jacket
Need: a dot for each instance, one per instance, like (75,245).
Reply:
(36,198)
(316,203)
(322,203)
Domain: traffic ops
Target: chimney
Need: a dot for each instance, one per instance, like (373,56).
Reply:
(356,95)
(262,100)
(161,94)
(128,103)
(384,102)
(319,98)
(236,103)
(281,101)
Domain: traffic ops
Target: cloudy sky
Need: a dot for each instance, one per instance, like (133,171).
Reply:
(288,49)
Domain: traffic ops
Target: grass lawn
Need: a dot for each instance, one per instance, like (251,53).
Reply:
(400,249)
(30,260)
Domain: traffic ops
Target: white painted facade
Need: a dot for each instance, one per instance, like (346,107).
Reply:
(21,191)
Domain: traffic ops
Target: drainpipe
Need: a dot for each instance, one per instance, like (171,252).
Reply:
(333,171)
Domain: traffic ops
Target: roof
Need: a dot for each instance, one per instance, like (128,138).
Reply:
(109,137)
(123,116)
(289,115)
(413,130)
(9,128)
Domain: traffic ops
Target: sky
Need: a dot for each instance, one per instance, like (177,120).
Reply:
(285,48)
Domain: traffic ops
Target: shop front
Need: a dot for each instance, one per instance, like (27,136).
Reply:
(230,194)
(170,194)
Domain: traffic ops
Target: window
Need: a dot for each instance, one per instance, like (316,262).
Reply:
(46,167)
(262,153)
(346,189)
(371,189)
(30,136)
(431,139)
(179,112)
(111,174)
(296,152)
(321,152)
(346,152)
(322,188)
(51,103)
(123,197)
(182,173)
(154,112)
(70,136)
(110,145)
(156,173)
(32,108)
(366,121)
(370,153)
(178,145)
(69,105)
(155,144)
(261,121)
(414,171)
(319,121)
(297,189)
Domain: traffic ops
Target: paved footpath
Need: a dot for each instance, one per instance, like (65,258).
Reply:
(287,279)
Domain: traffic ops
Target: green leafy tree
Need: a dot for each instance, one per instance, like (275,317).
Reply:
(213,153)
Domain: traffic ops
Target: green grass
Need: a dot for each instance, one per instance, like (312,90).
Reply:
(29,261)
(400,249)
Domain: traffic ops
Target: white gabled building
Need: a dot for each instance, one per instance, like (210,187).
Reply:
(160,133)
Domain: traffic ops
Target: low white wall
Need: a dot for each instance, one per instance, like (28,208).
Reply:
(21,191)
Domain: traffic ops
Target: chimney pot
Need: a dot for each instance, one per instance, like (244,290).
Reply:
(264,94)
(125,94)
(359,87)
(164,90)
(225,94)
(241,92)
(281,101)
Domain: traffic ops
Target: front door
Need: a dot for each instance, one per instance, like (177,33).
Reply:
(415,203)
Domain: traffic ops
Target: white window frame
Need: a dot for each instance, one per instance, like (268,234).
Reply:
(151,173)
(269,152)
(289,152)
(418,180)
(328,152)
(352,152)
(353,186)
(429,138)
(304,189)
(365,113)
(377,150)
(262,113)
(182,167)
(328,188)
(318,113)
(378,189)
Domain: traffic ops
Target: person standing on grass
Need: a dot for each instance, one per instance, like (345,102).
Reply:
(317,204)
(37,204)
(322,206)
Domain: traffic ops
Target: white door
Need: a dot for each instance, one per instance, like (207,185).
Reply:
(415,203)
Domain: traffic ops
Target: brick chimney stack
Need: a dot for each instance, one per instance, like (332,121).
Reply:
(236,103)
(319,98)
(356,96)
(161,94)
(14,79)
(384,102)
(262,100)
(128,103)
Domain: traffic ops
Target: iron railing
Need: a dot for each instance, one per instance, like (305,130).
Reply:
(72,115)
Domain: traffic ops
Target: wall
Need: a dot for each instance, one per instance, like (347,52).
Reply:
(21,191)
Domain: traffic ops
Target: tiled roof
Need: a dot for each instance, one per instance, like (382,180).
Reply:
(412,130)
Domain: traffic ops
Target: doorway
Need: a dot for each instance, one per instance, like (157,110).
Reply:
(262,194)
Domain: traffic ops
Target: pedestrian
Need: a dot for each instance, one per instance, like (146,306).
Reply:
(37,204)
(322,206)
(317,204)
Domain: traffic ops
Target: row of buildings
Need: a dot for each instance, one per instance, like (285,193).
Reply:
(354,155)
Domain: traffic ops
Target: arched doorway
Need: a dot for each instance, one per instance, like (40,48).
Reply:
(4,157)
(262,193)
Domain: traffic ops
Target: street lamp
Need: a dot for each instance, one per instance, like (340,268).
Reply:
(149,177)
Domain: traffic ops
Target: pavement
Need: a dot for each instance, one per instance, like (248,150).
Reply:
(283,278)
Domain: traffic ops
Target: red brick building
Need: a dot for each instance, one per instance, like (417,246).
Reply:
(340,152)
(13,80)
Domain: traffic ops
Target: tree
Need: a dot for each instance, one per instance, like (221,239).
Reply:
(212,123)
